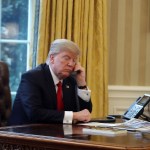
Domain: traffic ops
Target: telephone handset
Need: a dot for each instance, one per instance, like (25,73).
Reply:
(74,73)
(137,108)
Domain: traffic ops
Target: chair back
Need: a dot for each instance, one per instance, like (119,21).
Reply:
(5,96)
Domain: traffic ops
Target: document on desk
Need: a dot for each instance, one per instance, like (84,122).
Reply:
(138,125)
(130,125)
(97,124)
(104,131)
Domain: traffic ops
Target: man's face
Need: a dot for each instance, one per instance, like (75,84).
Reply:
(63,63)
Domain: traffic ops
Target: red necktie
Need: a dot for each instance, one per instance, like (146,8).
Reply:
(60,105)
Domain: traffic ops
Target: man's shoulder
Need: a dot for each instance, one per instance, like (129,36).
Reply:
(37,71)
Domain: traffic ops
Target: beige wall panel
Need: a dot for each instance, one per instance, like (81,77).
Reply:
(135,42)
(113,30)
(128,39)
(143,32)
(129,42)
(120,42)
(147,71)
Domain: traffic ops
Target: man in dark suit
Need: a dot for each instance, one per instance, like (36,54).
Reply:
(36,99)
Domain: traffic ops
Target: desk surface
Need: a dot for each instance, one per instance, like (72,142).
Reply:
(51,136)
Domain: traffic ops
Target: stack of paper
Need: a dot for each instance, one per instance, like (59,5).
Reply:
(104,131)
(117,128)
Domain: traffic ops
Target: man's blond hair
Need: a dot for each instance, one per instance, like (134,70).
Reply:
(62,45)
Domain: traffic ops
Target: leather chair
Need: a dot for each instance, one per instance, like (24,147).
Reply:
(5,96)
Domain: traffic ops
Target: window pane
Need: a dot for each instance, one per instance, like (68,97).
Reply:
(15,55)
(14,21)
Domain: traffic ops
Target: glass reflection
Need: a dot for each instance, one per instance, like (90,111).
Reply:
(15,55)
(14,23)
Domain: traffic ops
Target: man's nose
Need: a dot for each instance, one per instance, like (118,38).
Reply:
(71,62)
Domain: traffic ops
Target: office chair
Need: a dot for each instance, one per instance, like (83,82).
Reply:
(5,97)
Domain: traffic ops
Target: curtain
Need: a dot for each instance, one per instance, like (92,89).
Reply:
(84,22)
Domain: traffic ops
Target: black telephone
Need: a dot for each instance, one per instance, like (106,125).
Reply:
(137,108)
(74,73)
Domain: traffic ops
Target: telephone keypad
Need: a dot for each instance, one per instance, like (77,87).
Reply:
(133,111)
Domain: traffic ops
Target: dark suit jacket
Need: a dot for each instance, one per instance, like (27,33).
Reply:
(35,101)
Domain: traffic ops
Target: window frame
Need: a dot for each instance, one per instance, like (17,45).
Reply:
(30,35)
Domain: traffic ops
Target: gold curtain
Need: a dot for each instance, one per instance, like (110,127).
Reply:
(84,22)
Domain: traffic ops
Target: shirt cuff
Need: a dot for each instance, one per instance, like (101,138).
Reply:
(68,117)
(84,94)
(67,129)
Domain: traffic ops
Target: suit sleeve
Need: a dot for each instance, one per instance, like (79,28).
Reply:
(33,99)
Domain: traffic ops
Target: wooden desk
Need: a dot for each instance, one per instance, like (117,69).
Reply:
(52,137)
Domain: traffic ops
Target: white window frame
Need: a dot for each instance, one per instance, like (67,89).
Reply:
(30,38)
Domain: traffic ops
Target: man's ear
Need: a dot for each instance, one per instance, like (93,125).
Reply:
(51,58)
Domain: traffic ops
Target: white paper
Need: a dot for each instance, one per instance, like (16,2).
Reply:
(132,124)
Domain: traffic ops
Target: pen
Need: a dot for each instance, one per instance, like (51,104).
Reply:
(131,130)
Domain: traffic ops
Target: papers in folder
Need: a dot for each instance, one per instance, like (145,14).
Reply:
(133,124)
(104,131)
(97,124)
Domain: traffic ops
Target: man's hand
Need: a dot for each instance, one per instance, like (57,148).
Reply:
(83,115)
(80,77)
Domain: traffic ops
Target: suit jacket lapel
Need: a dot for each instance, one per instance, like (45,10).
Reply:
(50,86)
